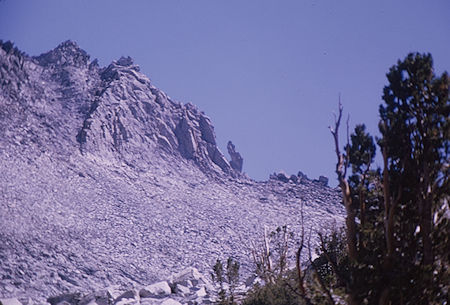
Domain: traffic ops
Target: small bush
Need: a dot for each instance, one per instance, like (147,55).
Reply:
(228,277)
(281,292)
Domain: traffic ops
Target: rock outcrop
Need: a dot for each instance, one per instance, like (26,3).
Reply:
(236,158)
(323,180)
(300,178)
(187,287)
(105,180)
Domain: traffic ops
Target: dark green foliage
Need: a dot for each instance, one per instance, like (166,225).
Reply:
(362,150)
(332,259)
(284,289)
(415,136)
(217,274)
(230,277)
(278,293)
(396,246)
(402,252)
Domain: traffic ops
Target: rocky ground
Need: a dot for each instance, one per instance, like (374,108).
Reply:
(106,181)
(186,287)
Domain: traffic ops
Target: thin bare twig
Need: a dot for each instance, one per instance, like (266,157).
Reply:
(301,277)
(341,171)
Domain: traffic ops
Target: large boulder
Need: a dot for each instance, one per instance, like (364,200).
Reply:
(294,178)
(102,297)
(11,301)
(323,180)
(68,298)
(280,176)
(191,277)
(129,297)
(160,289)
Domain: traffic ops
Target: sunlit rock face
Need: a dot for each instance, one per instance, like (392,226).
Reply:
(105,180)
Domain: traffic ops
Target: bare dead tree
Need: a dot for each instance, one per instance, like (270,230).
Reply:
(301,275)
(283,250)
(341,171)
(262,255)
(262,258)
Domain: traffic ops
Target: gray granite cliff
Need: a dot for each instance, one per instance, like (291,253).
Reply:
(105,180)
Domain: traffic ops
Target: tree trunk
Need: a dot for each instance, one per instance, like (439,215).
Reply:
(349,221)
(341,171)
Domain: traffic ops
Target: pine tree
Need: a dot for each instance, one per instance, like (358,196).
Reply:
(415,145)
(397,218)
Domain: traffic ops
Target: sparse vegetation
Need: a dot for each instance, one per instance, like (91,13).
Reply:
(270,257)
(279,292)
(271,261)
(227,279)
(281,285)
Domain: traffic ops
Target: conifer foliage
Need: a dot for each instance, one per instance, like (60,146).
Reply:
(395,246)
(397,217)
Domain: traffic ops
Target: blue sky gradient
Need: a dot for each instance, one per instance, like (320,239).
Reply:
(268,73)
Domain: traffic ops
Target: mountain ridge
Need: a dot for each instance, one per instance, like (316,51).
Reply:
(106,180)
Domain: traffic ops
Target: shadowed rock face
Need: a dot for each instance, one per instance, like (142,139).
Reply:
(107,181)
(236,158)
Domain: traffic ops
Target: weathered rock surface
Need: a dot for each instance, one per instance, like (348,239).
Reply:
(10,301)
(107,181)
(236,158)
(156,290)
(300,178)
(323,180)
(200,291)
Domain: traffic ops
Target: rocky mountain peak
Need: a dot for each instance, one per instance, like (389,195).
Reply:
(112,112)
(67,53)
(122,67)
(126,62)
(108,181)
(128,115)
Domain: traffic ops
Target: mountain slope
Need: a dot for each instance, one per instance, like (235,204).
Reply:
(106,180)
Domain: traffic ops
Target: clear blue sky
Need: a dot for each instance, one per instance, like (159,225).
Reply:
(268,73)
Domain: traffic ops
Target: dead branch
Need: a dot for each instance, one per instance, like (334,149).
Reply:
(301,277)
(267,256)
(341,171)
(347,147)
